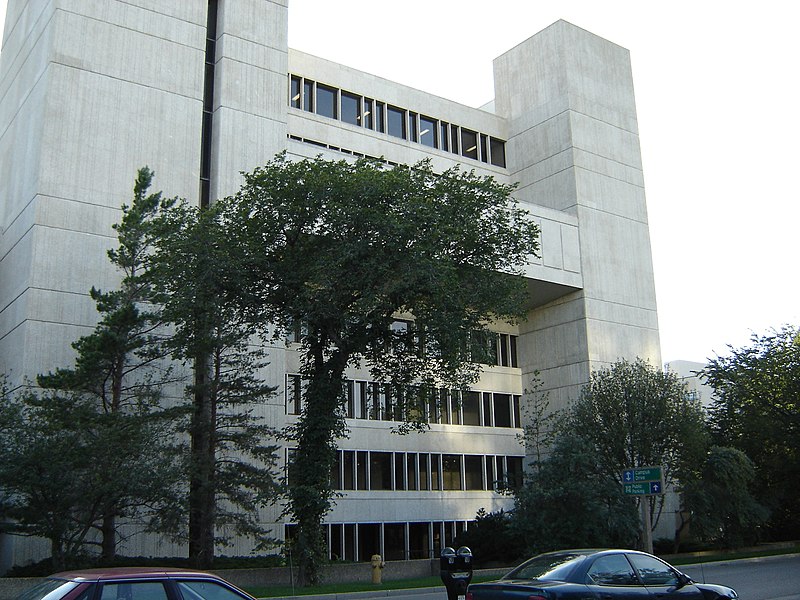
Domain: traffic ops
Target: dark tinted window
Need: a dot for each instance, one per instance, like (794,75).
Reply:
(207,590)
(41,590)
(611,570)
(427,131)
(351,108)
(397,122)
(144,590)
(652,571)
(547,567)
(469,143)
(326,101)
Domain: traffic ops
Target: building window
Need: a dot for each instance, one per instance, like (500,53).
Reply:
(380,470)
(451,471)
(469,143)
(294,395)
(369,109)
(380,117)
(473,472)
(454,139)
(497,149)
(436,472)
(427,131)
(412,127)
(484,148)
(351,108)
(411,471)
(326,101)
(396,121)
(295,100)
(444,136)
(471,407)
(502,410)
(308,95)
(424,470)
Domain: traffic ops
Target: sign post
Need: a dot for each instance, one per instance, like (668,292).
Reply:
(644,481)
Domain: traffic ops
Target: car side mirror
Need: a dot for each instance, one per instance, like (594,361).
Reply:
(683,580)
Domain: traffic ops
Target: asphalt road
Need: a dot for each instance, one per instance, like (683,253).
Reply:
(771,578)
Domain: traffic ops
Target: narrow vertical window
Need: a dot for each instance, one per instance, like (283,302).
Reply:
(515,411)
(361,471)
(349,460)
(512,339)
(412,127)
(436,471)
(484,148)
(488,420)
(424,469)
(294,405)
(454,139)
(380,117)
(444,136)
(308,95)
(411,470)
(295,101)
(367,116)
(399,471)
(451,471)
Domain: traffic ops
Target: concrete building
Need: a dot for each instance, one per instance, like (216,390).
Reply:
(200,90)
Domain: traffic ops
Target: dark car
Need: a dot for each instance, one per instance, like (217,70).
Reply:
(600,574)
(134,583)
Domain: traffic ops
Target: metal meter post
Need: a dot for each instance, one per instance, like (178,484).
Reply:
(456,571)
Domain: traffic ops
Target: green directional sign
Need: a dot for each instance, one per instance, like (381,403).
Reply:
(643,481)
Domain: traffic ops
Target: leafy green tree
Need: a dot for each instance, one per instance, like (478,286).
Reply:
(494,539)
(721,502)
(343,248)
(757,410)
(120,370)
(232,450)
(598,514)
(61,460)
(634,415)
(541,424)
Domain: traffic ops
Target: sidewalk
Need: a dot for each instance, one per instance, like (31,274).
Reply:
(376,593)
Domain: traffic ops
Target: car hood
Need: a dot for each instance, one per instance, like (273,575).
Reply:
(713,590)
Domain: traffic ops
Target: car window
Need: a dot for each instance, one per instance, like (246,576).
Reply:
(547,567)
(612,570)
(653,571)
(142,590)
(207,590)
(42,590)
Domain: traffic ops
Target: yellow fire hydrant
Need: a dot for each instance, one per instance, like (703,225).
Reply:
(377,566)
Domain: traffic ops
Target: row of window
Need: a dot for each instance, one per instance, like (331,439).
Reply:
(393,541)
(487,347)
(370,470)
(386,402)
(412,471)
(382,117)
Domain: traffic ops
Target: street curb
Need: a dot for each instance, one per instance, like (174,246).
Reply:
(377,593)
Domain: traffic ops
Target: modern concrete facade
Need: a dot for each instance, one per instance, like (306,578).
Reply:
(91,91)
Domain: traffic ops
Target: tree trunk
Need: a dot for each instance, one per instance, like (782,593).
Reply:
(109,532)
(310,486)
(201,485)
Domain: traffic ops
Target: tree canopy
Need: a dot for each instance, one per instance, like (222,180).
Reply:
(635,415)
(343,249)
(757,410)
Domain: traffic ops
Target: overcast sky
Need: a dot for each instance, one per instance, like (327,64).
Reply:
(719,121)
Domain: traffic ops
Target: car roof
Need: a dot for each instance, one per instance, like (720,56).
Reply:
(117,573)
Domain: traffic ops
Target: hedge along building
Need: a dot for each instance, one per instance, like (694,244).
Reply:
(201,90)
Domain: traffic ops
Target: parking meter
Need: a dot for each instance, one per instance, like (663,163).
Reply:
(456,571)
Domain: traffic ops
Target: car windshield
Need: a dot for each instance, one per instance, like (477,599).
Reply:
(42,590)
(547,567)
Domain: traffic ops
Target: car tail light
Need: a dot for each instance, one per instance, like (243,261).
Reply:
(469,596)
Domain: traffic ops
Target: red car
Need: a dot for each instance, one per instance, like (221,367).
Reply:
(134,583)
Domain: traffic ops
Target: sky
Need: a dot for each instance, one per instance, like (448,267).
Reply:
(718,99)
